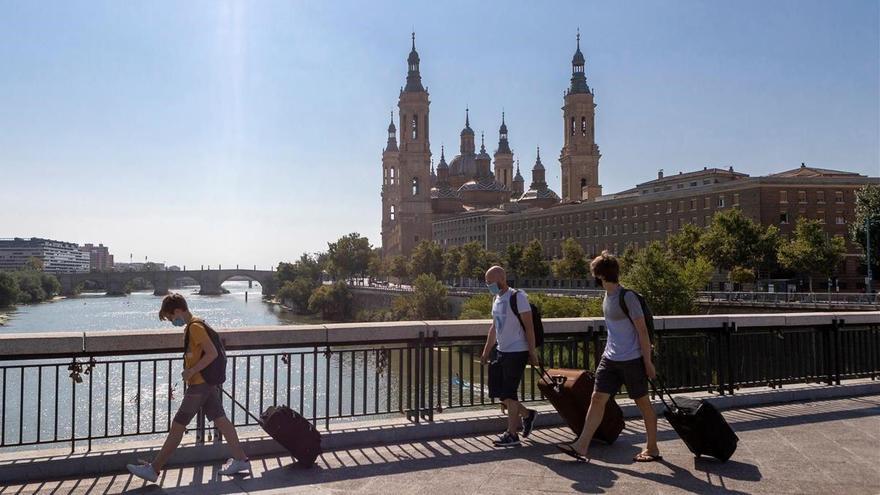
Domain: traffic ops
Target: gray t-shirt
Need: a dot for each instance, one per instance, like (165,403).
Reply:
(508,332)
(623,338)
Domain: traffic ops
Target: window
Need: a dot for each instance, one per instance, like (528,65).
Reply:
(583,126)
(572,126)
(669,226)
(415,186)
(736,200)
(391,213)
(707,220)
(838,197)
(783,217)
(802,197)
(614,214)
(625,228)
(694,184)
(707,203)
(721,201)
(680,206)
(783,196)
(820,216)
(392,175)
(657,209)
(820,197)
(604,215)
(635,227)
(646,227)
(839,219)
(415,127)
(693,204)
(669,208)
(614,229)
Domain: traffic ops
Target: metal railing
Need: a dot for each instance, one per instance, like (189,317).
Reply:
(80,388)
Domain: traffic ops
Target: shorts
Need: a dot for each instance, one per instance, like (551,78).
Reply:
(610,375)
(201,396)
(505,374)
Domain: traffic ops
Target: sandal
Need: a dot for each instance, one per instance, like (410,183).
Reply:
(647,457)
(567,449)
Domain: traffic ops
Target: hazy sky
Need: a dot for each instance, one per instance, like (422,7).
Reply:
(206,132)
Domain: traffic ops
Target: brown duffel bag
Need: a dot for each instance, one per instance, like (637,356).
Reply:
(569,391)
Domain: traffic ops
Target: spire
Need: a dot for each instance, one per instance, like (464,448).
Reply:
(503,145)
(538,164)
(467,123)
(482,142)
(442,164)
(413,78)
(391,128)
(518,177)
(578,78)
(392,135)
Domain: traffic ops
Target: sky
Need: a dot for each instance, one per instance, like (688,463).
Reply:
(222,132)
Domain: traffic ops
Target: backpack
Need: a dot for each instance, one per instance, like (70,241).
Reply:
(215,372)
(536,318)
(649,316)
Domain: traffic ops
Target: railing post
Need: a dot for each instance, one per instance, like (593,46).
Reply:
(835,336)
(827,330)
(200,427)
(429,407)
(597,354)
(728,344)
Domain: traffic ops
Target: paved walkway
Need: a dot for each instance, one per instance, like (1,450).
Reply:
(818,447)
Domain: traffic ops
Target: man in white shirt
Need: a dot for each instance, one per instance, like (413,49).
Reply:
(515,339)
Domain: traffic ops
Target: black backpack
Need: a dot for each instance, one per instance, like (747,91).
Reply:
(536,318)
(215,372)
(649,316)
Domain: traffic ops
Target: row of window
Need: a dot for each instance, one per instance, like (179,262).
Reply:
(839,217)
(802,197)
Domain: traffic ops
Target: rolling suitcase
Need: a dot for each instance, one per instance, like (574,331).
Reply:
(569,391)
(287,427)
(700,425)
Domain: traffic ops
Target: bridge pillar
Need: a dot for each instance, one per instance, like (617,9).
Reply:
(161,284)
(115,285)
(67,284)
(210,285)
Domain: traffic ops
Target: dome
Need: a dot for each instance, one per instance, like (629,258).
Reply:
(540,193)
(463,165)
(486,184)
(444,192)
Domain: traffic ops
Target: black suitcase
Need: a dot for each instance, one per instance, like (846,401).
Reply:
(294,432)
(700,425)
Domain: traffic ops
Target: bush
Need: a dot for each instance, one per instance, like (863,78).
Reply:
(9,291)
(298,293)
(30,287)
(480,306)
(477,307)
(333,301)
(427,301)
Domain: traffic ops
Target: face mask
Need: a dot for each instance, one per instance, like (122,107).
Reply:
(178,322)
(494,289)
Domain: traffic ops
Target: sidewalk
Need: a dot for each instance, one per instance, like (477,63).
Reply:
(815,447)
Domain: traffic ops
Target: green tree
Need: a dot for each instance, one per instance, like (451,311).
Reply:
(682,245)
(9,291)
(868,212)
(34,263)
(477,307)
(298,293)
(533,263)
(734,239)
(30,286)
(573,264)
(741,275)
(697,273)
(399,268)
(428,300)
(811,251)
(377,268)
(349,256)
(451,260)
(50,284)
(664,283)
(332,301)
(513,257)
(307,266)
(427,257)
(473,261)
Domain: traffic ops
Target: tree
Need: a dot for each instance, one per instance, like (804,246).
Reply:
(810,251)
(34,263)
(9,291)
(668,288)
(533,263)
(377,268)
(427,257)
(348,256)
(30,287)
(333,301)
(734,240)
(149,267)
(741,275)
(573,264)
(399,268)
(451,260)
(683,244)
(697,273)
(513,260)
(868,212)
(427,302)
(50,284)
(307,266)
(473,261)
(298,293)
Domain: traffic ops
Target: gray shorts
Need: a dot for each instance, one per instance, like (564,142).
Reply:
(201,396)
(610,375)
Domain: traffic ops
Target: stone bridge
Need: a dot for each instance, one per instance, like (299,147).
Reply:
(209,280)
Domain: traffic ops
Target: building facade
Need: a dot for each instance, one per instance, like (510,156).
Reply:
(56,256)
(100,259)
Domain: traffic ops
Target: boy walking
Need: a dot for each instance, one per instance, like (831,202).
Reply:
(516,348)
(200,352)
(626,361)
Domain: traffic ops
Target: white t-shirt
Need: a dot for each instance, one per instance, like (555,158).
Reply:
(509,334)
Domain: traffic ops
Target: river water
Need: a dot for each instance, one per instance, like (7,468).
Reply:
(140,310)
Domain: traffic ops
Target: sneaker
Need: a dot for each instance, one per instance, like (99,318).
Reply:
(237,467)
(507,440)
(529,422)
(143,471)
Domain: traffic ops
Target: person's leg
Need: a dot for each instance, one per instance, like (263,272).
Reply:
(228,430)
(513,415)
(650,417)
(636,380)
(594,418)
(171,443)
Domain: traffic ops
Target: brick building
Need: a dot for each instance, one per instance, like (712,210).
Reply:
(100,259)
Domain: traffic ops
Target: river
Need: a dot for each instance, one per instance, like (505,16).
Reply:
(140,310)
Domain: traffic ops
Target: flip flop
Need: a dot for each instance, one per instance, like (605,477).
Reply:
(647,457)
(568,450)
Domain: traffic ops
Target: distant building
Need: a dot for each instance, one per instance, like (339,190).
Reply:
(56,256)
(137,267)
(100,259)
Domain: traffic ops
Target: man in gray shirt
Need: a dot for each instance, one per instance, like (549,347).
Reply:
(626,361)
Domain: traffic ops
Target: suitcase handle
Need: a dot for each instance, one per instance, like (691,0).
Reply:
(555,381)
(660,391)
(246,410)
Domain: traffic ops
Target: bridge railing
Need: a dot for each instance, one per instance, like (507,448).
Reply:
(77,388)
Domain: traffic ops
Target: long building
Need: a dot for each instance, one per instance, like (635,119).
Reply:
(56,256)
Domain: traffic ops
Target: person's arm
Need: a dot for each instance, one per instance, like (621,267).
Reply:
(490,343)
(638,320)
(528,328)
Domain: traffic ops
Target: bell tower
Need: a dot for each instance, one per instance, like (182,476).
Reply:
(580,153)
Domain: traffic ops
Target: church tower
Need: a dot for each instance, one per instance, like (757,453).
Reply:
(407,202)
(503,157)
(580,154)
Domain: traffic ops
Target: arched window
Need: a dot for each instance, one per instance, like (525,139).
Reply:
(392,175)
(572,126)
(391,213)
(415,186)
(583,126)
(583,183)
(415,127)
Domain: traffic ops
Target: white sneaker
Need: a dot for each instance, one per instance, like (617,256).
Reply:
(236,467)
(143,471)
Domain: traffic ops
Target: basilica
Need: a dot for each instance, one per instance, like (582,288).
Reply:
(417,199)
